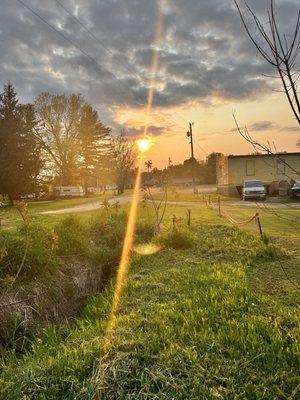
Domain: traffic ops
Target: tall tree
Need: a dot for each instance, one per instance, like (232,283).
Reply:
(124,157)
(59,117)
(19,151)
(94,142)
(31,149)
(71,134)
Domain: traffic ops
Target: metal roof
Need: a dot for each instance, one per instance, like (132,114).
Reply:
(297,153)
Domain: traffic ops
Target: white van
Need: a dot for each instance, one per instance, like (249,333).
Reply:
(68,191)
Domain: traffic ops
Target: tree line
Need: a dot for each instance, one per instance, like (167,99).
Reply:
(203,171)
(57,140)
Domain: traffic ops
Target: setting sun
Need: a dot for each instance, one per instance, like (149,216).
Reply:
(149,199)
(144,144)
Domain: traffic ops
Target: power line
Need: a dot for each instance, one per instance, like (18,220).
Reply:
(205,152)
(59,32)
(92,35)
(65,37)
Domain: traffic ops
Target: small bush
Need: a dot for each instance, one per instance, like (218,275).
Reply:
(144,231)
(72,236)
(107,256)
(109,229)
(38,240)
(178,239)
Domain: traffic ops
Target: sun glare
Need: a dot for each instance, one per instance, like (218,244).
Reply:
(144,144)
(147,249)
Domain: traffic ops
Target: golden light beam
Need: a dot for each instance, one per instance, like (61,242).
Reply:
(154,64)
(123,266)
(143,145)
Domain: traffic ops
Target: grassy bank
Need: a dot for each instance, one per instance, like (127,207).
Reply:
(196,322)
(47,271)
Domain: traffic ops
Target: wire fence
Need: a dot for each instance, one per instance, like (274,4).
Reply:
(239,223)
(223,213)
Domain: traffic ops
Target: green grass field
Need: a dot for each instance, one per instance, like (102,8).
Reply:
(217,320)
(10,216)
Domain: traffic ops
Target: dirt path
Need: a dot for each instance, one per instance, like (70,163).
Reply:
(96,205)
(127,199)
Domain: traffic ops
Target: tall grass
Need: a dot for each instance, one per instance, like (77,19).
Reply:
(61,266)
(39,257)
(190,327)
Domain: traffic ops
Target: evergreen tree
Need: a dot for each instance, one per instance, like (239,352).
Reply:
(19,150)
(95,143)
(32,155)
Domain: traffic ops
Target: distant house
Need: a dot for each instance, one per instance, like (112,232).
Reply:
(152,181)
(271,169)
(184,181)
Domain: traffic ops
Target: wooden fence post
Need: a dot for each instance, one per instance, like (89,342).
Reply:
(188,214)
(174,220)
(259,225)
(219,204)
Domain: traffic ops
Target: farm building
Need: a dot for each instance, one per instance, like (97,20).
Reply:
(276,171)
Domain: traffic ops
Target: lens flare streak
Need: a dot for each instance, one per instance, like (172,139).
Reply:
(143,146)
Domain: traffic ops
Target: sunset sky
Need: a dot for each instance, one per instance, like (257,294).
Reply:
(207,69)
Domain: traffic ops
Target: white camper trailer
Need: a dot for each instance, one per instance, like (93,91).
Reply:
(68,191)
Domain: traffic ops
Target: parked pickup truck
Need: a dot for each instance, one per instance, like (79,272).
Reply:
(254,190)
(294,192)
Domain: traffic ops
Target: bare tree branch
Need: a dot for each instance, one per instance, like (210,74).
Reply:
(261,147)
(277,50)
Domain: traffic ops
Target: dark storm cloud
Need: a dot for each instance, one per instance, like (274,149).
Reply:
(204,53)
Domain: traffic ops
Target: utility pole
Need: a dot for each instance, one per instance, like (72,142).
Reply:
(190,135)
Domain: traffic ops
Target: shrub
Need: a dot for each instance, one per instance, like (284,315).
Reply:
(37,240)
(107,256)
(72,236)
(109,229)
(178,239)
(144,231)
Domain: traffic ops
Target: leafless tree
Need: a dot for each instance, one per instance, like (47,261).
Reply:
(279,50)
(159,206)
(262,147)
(123,158)
(59,117)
